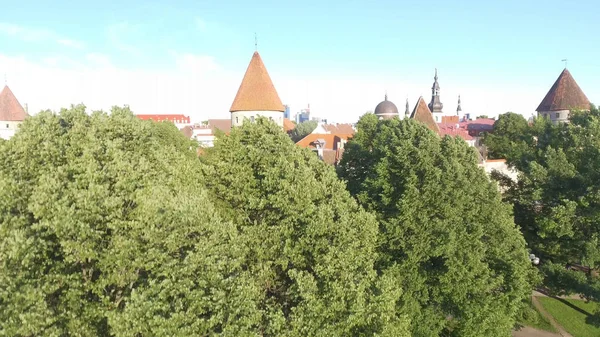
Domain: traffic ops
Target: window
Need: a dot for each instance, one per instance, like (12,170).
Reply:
(7,126)
(252,119)
(236,121)
(557,115)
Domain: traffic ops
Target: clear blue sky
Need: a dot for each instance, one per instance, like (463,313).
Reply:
(485,42)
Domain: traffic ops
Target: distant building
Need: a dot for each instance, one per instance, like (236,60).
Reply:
(422,114)
(562,98)
(12,113)
(179,120)
(286,111)
(256,96)
(437,107)
(303,115)
(328,141)
(386,109)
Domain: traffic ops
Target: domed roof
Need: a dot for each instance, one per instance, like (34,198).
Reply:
(386,109)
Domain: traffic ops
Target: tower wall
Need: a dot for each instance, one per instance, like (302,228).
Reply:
(237,117)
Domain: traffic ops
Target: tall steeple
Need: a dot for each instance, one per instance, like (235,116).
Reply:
(458,107)
(435,105)
(407,111)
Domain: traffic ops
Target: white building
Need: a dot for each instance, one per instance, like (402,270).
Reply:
(12,113)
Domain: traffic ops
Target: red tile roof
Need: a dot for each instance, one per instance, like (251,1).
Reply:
(453,130)
(10,108)
(288,125)
(565,94)
(172,118)
(449,119)
(187,131)
(339,128)
(331,140)
(257,92)
(220,124)
(422,114)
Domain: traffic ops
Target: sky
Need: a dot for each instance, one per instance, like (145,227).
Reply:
(341,57)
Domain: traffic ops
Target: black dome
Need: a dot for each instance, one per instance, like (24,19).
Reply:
(386,109)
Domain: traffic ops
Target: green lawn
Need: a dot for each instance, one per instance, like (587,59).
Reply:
(571,319)
(535,320)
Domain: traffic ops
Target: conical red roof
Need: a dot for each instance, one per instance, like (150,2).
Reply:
(10,108)
(422,114)
(565,94)
(257,92)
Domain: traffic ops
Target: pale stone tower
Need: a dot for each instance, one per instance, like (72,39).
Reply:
(12,113)
(564,96)
(256,96)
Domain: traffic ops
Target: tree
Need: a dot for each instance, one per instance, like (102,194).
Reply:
(444,231)
(311,247)
(106,230)
(556,199)
(511,136)
(302,130)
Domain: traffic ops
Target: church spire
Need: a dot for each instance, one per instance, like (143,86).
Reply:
(458,107)
(435,105)
(407,111)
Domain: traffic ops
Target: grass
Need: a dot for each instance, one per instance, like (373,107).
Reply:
(535,320)
(573,315)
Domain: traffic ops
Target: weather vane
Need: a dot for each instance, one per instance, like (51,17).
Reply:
(565,61)
(255,42)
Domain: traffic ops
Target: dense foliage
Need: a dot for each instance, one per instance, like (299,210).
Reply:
(111,226)
(106,231)
(444,231)
(509,138)
(310,246)
(302,130)
(557,197)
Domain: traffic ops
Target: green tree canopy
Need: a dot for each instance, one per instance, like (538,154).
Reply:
(557,198)
(302,130)
(106,230)
(511,136)
(444,230)
(310,246)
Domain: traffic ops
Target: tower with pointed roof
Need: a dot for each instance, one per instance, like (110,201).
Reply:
(564,96)
(423,114)
(256,96)
(436,106)
(407,110)
(12,113)
(459,112)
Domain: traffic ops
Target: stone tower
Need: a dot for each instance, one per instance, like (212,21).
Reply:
(256,96)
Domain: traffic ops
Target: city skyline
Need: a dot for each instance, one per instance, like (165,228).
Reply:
(190,59)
